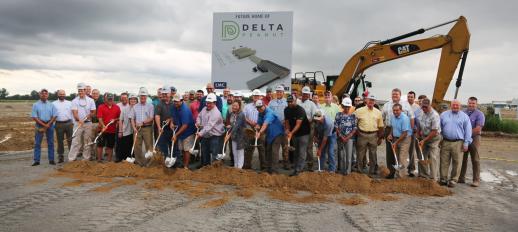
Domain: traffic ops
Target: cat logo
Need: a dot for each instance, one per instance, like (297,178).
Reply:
(403,49)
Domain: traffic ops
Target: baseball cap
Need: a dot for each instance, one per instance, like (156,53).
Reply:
(290,98)
(256,92)
(173,89)
(269,89)
(81,85)
(347,102)
(306,90)
(318,115)
(142,91)
(259,103)
(132,95)
(425,102)
(192,92)
(211,98)
(109,95)
(279,88)
(165,89)
(177,98)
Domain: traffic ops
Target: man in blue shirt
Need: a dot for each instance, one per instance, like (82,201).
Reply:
(268,122)
(323,137)
(399,138)
(44,113)
(456,133)
(184,136)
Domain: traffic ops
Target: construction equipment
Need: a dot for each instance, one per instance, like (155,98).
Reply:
(454,45)
(316,81)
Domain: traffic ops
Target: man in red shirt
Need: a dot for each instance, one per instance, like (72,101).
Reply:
(195,104)
(106,113)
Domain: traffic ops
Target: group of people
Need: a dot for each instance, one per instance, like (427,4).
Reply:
(286,130)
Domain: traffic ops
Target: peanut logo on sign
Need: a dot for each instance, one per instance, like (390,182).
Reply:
(229,30)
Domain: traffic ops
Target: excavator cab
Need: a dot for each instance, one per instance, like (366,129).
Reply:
(315,80)
(358,86)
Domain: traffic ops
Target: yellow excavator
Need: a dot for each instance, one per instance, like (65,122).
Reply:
(454,47)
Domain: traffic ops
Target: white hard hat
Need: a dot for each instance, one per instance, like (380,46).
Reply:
(347,102)
(371,96)
(306,90)
(279,88)
(81,86)
(142,91)
(259,103)
(211,97)
(132,95)
(256,92)
(177,98)
(165,89)
(238,94)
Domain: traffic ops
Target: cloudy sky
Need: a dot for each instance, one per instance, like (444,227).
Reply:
(121,45)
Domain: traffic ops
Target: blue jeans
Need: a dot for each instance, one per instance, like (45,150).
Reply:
(329,151)
(210,147)
(38,137)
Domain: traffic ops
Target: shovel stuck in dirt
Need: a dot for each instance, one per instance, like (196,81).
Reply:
(101,133)
(131,158)
(396,166)
(422,161)
(170,161)
(223,154)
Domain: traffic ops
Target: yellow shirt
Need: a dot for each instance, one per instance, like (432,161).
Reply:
(369,120)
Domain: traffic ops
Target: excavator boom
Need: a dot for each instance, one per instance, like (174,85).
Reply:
(454,45)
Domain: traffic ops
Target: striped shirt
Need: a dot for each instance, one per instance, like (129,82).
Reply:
(143,112)
(278,106)
(251,112)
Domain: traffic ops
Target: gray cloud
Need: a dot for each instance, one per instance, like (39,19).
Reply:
(128,39)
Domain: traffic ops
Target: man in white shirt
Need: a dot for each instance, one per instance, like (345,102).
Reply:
(83,109)
(310,108)
(64,126)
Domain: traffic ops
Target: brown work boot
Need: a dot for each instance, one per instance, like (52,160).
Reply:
(462,181)
(475,183)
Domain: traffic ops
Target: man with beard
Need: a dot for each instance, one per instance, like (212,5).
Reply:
(64,126)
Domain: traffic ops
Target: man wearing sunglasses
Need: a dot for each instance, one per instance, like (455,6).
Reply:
(219,102)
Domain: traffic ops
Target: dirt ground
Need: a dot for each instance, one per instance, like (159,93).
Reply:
(89,196)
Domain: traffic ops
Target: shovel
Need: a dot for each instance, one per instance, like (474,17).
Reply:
(158,137)
(101,133)
(130,158)
(170,161)
(422,160)
(223,154)
(256,137)
(396,166)
(318,159)
(195,139)
(75,130)
(290,148)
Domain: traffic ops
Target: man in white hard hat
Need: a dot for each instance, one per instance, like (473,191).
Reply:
(83,109)
(278,105)
(219,101)
(163,117)
(251,116)
(370,134)
(212,128)
(310,108)
(142,118)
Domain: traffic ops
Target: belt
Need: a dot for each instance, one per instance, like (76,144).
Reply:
(452,140)
(67,121)
(87,121)
(145,126)
(368,132)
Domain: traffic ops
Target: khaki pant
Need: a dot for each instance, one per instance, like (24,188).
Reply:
(83,136)
(272,153)
(145,134)
(475,160)
(430,152)
(367,141)
(402,152)
(451,152)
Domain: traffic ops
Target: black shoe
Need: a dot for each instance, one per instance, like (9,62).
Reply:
(52,162)
(443,183)
(35,164)
(295,173)
(391,176)
(411,174)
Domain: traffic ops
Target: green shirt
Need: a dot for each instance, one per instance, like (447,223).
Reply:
(330,110)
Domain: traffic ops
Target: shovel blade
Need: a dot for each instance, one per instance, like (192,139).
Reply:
(148,155)
(220,156)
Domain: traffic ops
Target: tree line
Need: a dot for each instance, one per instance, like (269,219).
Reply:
(34,95)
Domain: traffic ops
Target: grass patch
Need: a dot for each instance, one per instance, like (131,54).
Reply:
(495,124)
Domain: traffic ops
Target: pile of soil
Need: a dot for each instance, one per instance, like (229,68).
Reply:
(308,187)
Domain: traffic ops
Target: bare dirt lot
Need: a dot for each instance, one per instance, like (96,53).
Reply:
(88,196)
